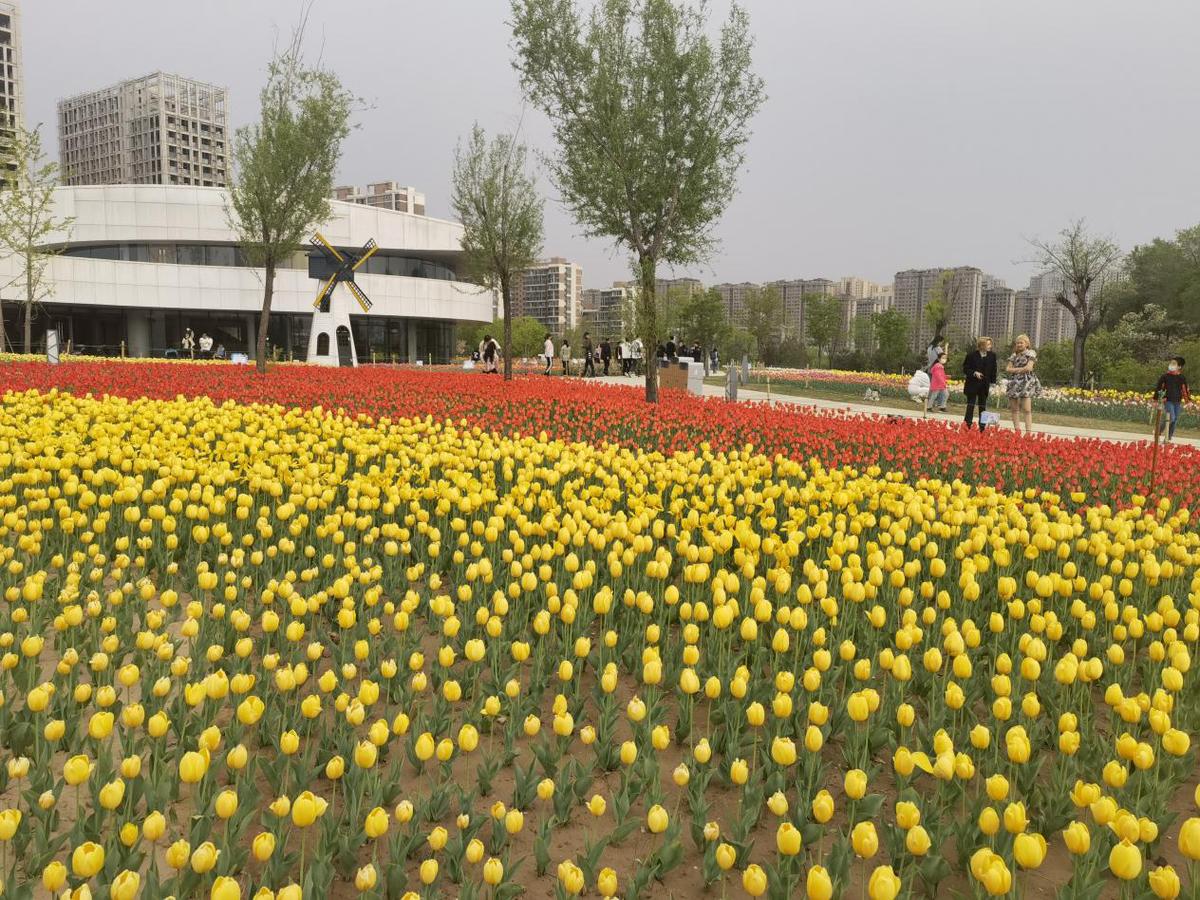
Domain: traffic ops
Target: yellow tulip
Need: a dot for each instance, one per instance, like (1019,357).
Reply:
(1164,882)
(754,880)
(818,884)
(87,860)
(1029,850)
(1125,861)
(126,885)
(884,884)
(787,839)
(657,819)
(864,840)
(726,856)
(1077,838)
(1189,838)
(225,888)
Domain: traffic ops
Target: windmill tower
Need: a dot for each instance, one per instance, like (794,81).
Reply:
(330,340)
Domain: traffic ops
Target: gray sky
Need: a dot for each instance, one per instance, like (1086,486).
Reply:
(897,134)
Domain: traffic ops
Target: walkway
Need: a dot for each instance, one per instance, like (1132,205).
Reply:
(911,412)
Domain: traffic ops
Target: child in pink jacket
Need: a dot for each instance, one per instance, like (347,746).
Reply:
(939,387)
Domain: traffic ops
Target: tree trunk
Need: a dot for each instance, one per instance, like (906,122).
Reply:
(3,334)
(264,320)
(648,324)
(506,299)
(28,304)
(1077,373)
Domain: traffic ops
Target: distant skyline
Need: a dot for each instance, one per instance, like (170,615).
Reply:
(896,135)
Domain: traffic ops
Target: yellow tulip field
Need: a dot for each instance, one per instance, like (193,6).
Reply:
(256,651)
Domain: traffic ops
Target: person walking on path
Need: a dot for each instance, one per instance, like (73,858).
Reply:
(939,387)
(1023,386)
(1173,389)
(979,374)
(564,352)
(589,367)
(605,354)
(488,352)
(548,352)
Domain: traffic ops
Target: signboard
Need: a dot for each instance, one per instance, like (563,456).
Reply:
(52,347)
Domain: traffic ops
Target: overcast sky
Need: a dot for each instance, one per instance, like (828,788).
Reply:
(897,133)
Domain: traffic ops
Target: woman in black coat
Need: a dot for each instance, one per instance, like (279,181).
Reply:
(979,374)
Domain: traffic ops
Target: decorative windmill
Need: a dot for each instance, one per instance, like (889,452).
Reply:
(339,268)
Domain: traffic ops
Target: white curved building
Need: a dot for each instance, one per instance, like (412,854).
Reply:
(142,263)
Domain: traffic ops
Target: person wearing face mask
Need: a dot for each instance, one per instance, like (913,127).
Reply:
(1172,389)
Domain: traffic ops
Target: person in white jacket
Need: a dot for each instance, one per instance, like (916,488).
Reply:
(548,352)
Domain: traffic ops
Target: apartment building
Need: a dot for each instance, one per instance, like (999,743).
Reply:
(999,314)
(161,129)
(384,195)
(604,311)
(734,297)
(962,289)
(794,292)
(12,94)
(551,292)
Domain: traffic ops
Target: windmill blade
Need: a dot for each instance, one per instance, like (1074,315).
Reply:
(363,300)
(369,250)
(318,240)
(325,289)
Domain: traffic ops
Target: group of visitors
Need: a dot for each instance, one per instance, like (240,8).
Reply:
(931,386)
(598,359)
(1022,386)
(672,352)
(201,348)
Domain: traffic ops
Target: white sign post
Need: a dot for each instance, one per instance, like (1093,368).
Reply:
(52,347)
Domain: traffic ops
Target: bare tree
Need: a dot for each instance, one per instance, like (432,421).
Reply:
(284,165)
(27,220)
(1084,262)
(501,213)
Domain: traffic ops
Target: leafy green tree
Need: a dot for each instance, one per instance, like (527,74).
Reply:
(501,212)
(702,318)
(283,166)
(651,118)
(823,321)
(864,334)
(525,336)
(892,329)
(27,220)
(1084,262)
(1166,273)
(764,320)
(736,344)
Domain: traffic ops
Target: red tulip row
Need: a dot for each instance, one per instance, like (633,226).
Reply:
(572,410)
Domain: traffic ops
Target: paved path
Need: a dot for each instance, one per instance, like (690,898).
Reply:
(912,412)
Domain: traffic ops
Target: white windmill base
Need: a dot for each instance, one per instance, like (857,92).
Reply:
(323,334)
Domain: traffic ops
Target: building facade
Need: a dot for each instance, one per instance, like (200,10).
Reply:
(143,263)
(552,293)
(604,311)
(734,297)
(12,87)
(999,314)
(161,129)
(384,195)
(962,289)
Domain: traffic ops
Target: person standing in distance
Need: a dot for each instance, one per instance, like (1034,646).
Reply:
(589,366)
(979,374)
(548,352)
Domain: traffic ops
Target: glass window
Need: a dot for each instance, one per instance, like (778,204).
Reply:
(220,256)
(190,254)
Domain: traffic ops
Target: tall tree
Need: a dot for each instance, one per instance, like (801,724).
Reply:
(942,298)
(823,321)
(27,220)
(1084,262)
(501,213)
(652,121)
(702,318)
(892,329)
(764,320)
(284,165)
(1166,273)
